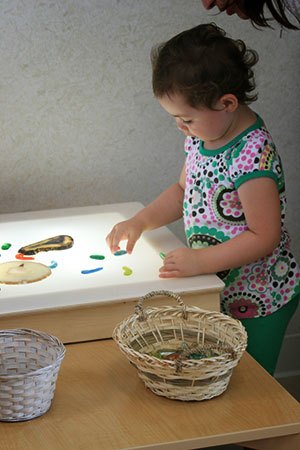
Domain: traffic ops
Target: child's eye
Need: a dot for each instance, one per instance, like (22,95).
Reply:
(187,121)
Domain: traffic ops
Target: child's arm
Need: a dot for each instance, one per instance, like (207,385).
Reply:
(261,206)
(163,210)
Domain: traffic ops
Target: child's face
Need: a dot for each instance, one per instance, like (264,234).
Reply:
(211,126)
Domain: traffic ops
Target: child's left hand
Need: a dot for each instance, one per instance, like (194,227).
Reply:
(182,262)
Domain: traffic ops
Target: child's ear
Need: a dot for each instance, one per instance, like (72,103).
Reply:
(229,102)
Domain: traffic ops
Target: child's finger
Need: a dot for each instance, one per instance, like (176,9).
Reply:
(171,274)
(167,268)
(115,244)
(108,240)
(132,238)
(113,240)
(130,245)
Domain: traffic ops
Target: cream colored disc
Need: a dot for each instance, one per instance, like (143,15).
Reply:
(20,272)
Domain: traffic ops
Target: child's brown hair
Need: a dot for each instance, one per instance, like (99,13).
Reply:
(203,64)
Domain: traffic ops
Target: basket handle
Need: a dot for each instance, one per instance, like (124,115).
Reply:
(139,310)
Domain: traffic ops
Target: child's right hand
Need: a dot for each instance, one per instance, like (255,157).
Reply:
(129,230)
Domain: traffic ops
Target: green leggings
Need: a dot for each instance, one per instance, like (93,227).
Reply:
(265,334)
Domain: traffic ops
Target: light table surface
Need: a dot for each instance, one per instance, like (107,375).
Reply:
(101,404)
(77,307)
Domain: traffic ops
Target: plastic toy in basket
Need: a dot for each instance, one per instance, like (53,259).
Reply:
(205,345)
(29,365)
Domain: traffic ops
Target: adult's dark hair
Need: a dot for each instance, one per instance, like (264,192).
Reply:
(255,10)
(203,64)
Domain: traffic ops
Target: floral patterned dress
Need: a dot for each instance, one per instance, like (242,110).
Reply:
(213,214)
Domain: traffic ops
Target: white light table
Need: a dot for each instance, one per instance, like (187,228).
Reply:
(77,307)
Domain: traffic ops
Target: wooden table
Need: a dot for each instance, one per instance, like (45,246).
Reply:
(101,404)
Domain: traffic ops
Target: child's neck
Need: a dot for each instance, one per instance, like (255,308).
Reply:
(242,119)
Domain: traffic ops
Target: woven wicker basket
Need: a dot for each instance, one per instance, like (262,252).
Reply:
(29,365)
(168,327)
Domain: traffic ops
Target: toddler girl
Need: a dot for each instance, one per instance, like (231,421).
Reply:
(231,189)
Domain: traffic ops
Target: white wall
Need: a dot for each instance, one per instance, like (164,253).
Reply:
(79,123)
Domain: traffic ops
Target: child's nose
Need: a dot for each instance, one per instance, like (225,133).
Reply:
(180,125)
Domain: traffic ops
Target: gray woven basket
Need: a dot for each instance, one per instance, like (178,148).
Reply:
(29,365)
(168,327)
